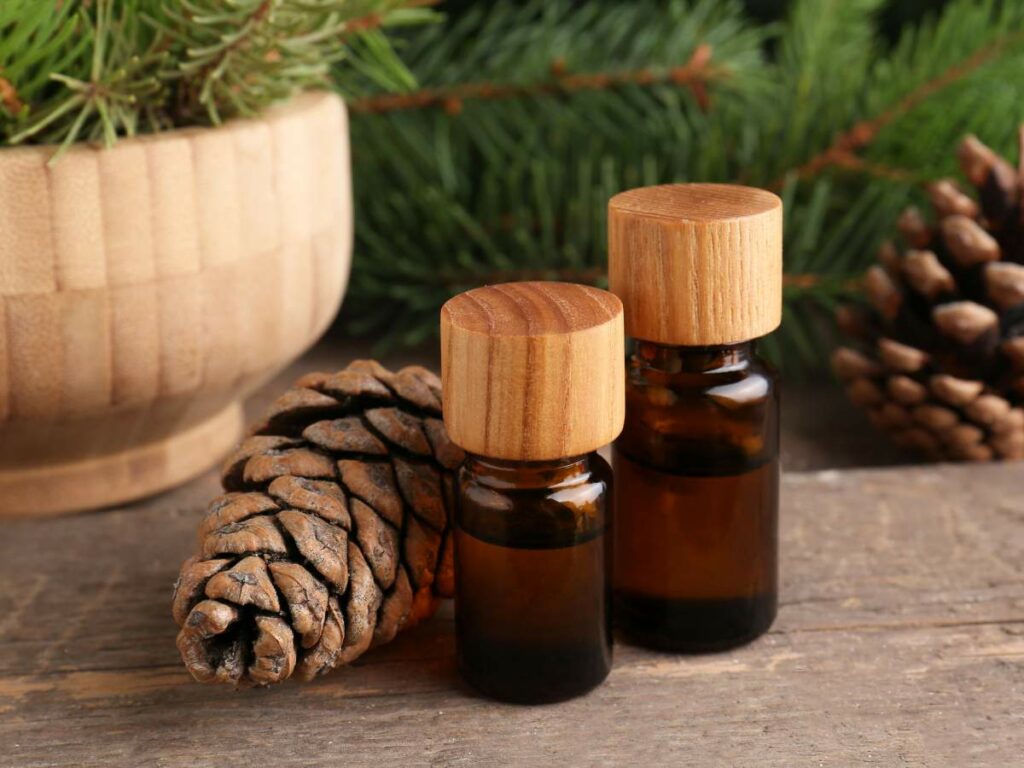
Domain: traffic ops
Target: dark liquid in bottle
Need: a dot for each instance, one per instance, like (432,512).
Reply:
(533,623)
(695,556)
(532,595)
(696,498)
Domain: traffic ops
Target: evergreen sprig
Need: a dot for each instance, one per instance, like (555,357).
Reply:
(95,70)
(532,114)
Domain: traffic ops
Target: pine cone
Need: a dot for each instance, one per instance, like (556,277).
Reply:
(940,363)
(332,534)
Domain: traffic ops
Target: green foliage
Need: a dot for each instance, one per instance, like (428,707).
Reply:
(502,166)
(97,69)
(531,114)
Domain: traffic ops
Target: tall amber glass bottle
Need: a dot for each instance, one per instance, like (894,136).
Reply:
(533,384)
(699,270)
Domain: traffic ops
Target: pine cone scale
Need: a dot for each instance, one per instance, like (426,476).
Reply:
(324,656)
(395,609)
(374,484)
(305,598)
(195,573)
(400,428)
(364,601)
(321,544)
(324,499)
(420,485)
(347,435)
(234,508)
(274,651)
(246,583)
(379,542)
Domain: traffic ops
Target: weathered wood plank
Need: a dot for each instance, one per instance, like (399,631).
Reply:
(900,641)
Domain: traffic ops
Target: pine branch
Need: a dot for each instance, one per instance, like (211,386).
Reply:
(842,152)
(696,74)
(195,89)
(274,48)
(103,102)
(109,68)
(848,161)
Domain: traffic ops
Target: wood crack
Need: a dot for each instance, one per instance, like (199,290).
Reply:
(896,626)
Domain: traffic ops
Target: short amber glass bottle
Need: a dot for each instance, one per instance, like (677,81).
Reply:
(530,374)
(698,268)
(533,615)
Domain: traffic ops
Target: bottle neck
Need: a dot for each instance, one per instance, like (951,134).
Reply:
(675,358)
(502,473)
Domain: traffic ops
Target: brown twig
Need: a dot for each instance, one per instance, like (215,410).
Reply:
(375,20)
(852,162)
(694,75)
(842,152)
(9,97)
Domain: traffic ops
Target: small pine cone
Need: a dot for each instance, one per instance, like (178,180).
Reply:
(938,361)
(333,533)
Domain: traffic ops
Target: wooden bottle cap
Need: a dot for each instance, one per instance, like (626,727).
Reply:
(696,264)
(533,371)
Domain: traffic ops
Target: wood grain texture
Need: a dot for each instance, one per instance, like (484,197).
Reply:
(696,264)
(900,641)
(146,289)
(533,371)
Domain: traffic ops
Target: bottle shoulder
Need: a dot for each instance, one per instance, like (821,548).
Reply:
(568,509)
(726,391)
(708,420)
(524,477)
(747,379)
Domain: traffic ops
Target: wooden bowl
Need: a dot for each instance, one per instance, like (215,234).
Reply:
(146,289)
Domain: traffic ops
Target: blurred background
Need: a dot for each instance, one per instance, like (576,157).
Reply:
(526,117)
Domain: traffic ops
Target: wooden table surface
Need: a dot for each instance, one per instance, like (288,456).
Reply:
(900,641)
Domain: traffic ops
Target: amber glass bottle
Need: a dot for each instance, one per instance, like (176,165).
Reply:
(533,616)
(532,378)
(698,268)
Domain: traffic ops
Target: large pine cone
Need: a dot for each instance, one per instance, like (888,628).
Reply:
(941,360)
(332,534)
